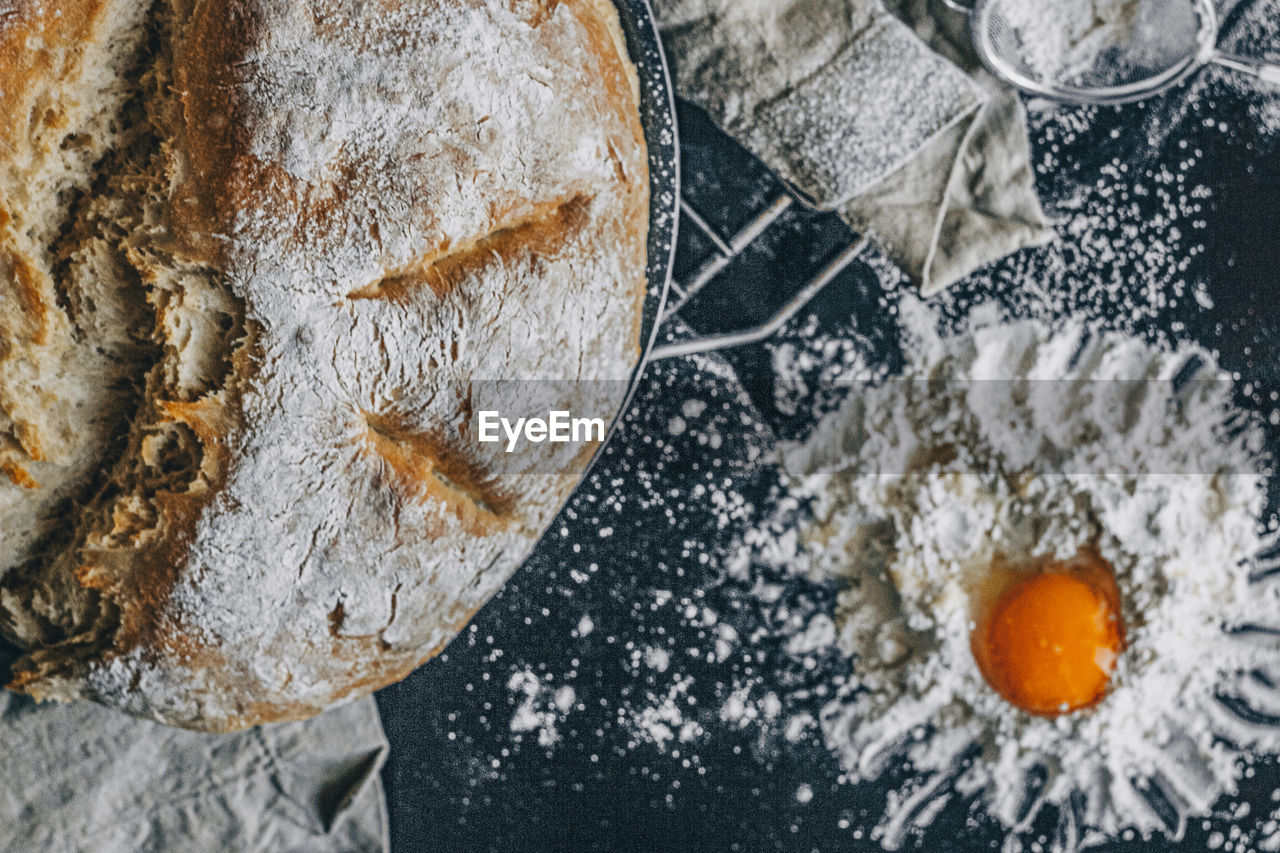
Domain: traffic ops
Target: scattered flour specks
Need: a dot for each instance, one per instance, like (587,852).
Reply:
(662,720)
(542,708)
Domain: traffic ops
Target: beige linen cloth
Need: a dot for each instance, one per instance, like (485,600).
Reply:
(81,777)
(887,119)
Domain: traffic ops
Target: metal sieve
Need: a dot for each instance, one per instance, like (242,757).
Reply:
(1170,42)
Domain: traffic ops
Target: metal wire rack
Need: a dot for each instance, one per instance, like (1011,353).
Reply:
(725,251)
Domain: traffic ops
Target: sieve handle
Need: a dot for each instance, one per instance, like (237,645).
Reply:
(1265,71)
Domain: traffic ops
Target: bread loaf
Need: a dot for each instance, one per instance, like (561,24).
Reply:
(257,258)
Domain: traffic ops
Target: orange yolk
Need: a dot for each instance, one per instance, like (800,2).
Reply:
(1049,637)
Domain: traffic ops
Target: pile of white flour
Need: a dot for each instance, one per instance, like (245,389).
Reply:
(1031,441)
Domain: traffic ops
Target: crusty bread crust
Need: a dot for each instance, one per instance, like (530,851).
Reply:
(346,216)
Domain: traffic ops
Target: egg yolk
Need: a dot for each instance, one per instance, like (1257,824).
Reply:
(1050,639)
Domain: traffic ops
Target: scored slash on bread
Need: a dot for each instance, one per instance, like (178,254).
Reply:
(262,265)
(534,228)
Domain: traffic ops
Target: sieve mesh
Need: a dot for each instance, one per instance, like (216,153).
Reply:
(1165,42)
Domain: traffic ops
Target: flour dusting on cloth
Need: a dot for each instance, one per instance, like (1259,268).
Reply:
(835,95)
(1015,438)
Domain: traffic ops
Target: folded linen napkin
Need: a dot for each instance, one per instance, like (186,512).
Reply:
(899,131)
(81,777)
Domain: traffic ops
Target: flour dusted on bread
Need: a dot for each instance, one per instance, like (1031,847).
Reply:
(299,235)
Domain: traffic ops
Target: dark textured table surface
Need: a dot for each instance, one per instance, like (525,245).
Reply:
(639,551)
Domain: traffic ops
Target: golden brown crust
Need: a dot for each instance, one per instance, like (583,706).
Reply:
(212,184)
(29,113)
(38,45)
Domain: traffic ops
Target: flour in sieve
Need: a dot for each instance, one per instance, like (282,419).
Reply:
(1061,40)
(1016,437)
